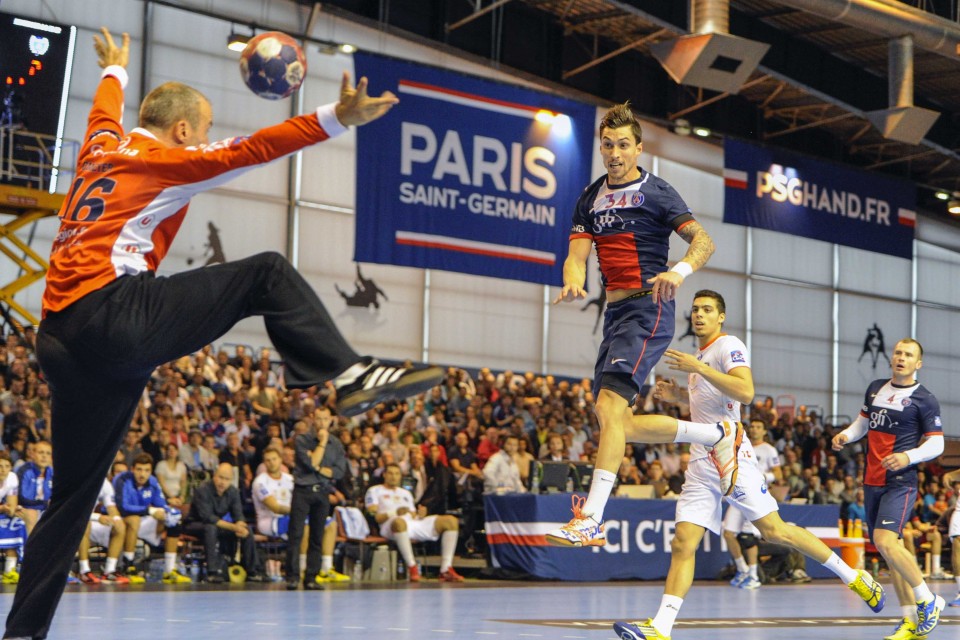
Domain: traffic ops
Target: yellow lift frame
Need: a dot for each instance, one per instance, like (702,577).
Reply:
(26,206)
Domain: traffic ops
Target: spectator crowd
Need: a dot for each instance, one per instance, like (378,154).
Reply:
(211,446)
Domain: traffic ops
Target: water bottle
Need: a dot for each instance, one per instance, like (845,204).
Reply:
(358,570)
(195,570)
(535,478)
(874,567)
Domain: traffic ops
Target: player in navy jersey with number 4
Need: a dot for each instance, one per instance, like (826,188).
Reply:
(897,414)
(629,215)
(109,320)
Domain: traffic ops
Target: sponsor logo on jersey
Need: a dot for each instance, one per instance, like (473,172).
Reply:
(636,199)
(905,402)
(936,421)
(605,220)
(737,356)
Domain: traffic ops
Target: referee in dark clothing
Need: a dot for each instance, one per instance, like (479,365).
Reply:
(319,459)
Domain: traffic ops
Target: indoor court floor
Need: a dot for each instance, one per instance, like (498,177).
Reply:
(479,609)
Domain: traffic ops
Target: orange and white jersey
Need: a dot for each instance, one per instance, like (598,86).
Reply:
(132,191)
(707,403)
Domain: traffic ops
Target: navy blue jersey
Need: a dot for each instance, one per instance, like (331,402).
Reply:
(899,417)
(630,224)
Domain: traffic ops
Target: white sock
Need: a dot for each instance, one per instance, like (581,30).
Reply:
(922,593)
(753,572)
(600,487)
(448,546)
(10,564)
(303,562)
(402,538)
(667,613)
(707,434)
(326,563)
(909,612)
(110,566)
(84,566)
(936,564)
(128,556)
(741,565)
(169,561)
(841,568)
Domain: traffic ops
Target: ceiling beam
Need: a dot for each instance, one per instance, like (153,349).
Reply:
(633,45)
(809,125)
(476,14)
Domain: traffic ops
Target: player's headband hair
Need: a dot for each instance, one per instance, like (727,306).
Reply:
(622,115)
(708,293)
(912,341)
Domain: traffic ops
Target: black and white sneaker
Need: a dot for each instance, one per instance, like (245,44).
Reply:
(379,383)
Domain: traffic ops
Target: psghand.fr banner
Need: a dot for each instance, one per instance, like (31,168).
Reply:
(782,191)
(468,174)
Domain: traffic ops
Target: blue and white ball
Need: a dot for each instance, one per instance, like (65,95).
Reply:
(273,65)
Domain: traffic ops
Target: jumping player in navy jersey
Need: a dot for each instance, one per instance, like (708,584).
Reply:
(629,215)
(897,414)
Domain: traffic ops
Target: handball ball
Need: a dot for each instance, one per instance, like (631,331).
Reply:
(273,65)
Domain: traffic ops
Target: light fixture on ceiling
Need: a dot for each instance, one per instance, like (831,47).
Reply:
(703,132)
(953,207)
(237,41)
(681,127)
(942,195)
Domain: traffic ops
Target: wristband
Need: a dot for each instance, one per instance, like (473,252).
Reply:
(683,268)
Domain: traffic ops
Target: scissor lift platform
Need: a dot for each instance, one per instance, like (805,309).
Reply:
(20,207)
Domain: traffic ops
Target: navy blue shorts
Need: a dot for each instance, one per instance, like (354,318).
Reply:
(888,507)
(636,332)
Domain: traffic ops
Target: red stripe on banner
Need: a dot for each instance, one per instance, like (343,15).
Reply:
(733,183)
(907,222)
(473,250)
(469,96)
(520,541)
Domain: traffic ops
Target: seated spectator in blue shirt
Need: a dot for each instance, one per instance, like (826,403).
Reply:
(36,483)
(856,510)
(147,516)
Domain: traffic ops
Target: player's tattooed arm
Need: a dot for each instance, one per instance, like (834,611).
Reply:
(701,245)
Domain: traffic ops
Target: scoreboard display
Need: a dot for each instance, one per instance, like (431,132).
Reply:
(35,62)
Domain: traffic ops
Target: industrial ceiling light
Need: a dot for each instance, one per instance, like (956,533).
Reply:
(237,41)
(954,207)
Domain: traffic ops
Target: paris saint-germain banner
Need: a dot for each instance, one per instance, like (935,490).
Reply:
(467,174)
(782,191)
